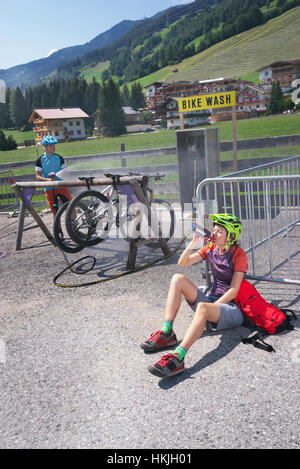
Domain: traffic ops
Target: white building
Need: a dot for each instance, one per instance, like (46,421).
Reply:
(63,124)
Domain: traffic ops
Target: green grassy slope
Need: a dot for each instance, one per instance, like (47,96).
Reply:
(241,55)
(94,71)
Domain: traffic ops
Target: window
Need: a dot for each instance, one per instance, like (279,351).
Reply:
(78,132)
(56,133)
(77,122)
(71,123)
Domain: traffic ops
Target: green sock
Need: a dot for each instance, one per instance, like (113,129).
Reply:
(181,352)
(167,327)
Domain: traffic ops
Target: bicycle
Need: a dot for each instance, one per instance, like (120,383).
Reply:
(162,207)
(59,227)
(94,212)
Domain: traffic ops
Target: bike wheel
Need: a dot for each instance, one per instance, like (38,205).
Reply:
(89,218)
(59,231)
(161,211)
(166,217)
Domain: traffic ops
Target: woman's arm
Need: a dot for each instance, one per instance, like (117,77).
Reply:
(233,289)
(188,257)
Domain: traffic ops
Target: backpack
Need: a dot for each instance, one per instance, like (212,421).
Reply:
(265,317)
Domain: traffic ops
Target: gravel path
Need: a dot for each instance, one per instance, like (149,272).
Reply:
(73,375)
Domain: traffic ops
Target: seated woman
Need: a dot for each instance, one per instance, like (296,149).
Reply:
(216,310)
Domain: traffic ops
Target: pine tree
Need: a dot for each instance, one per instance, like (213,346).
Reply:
(17,108)
(7,143)
(125,96)
(111,114)
(11,143)
(3,142)
(276,102)
(137,98)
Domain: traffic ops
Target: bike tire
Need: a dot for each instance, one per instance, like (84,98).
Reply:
(167,226)
(64,243)
(171,222)
(90,207)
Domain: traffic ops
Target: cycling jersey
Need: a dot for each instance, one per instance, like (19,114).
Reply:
(49,164)
(223,266)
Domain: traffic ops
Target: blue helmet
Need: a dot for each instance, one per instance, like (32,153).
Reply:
(49,140)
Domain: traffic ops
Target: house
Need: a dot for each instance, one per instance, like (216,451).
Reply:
(253,98)
(62,123)
(162,92)
(284,71)
(251,101)
(191,119)
(131,117)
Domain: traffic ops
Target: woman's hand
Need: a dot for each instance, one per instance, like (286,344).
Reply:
(195,242)
(188,257)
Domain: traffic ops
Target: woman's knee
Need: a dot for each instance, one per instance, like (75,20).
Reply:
(202,310)
(178,279)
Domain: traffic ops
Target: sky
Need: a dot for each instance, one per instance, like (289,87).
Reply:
(32,29)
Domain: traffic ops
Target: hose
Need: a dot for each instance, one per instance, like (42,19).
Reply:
(136,269)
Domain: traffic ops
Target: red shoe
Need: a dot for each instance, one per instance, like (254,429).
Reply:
(167,366)
(158,341)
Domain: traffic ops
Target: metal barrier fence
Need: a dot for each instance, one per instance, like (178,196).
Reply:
(286,166)
(8,197)
(269,208)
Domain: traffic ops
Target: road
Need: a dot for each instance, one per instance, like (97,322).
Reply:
(73,374)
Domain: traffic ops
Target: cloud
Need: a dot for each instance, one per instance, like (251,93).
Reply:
(51,52)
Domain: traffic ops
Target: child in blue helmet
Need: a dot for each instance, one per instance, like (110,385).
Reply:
(46,167)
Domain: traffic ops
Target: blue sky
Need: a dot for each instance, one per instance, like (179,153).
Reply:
(31,29)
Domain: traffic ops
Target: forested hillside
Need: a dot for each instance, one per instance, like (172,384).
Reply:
(177,34)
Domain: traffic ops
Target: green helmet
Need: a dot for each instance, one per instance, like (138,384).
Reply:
(230,222)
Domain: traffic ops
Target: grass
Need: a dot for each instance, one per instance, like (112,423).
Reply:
(89,72)
(20,135)
(271,126)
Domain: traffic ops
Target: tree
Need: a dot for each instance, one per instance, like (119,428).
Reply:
(7,143)
(111,114)
(11,143)
(276,102)
(137,98)
(125,96)
(3,142)
(18,112)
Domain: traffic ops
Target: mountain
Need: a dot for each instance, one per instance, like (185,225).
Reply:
(37,70)
(173,38)
(133,55)
(240,55)
(33,72)
(180,33)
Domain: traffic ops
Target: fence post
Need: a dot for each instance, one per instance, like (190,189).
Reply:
(123,158)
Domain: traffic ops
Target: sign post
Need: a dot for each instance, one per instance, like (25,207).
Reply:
(213,101)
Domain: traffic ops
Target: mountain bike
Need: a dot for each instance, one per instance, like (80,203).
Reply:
(96,212)
(59,227)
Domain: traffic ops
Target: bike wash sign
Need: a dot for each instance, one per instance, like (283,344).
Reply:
(207,101)
(211,101)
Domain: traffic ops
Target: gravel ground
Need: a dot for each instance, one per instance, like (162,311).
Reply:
(73,374)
